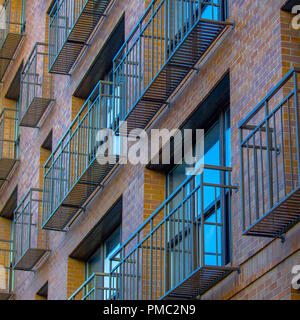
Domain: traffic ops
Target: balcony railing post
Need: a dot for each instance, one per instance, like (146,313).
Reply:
(269,156)
(95,287)
(137,269)
(29,218)
(122,271)
(202,259)
(242,179)
(193,228)
(35,77)
(297,118)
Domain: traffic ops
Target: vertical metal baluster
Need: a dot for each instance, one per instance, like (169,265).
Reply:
(290,143)
(255,169)
(269,157)
(262,172)
(202,220)
(248,179)
(297,118)
(216,226)
(282,151)
(276,156)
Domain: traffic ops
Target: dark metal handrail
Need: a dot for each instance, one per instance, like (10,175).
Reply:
(36,82)
(8,133)
(93,288)
(64,16)
(270,159)
(27,225)
(14,18)
(60,168)
(154,41)
(146,252)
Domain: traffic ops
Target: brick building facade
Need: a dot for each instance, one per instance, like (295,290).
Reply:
(242,58)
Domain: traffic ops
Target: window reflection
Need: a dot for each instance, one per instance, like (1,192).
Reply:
(99,263)
(189,205)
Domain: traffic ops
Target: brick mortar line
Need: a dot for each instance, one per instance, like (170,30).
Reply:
(265,273)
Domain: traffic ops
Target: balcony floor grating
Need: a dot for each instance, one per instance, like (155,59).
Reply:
(78,36)
(30,259)
(184,59)
(8,50)
(278,220)
(34,112)
(6,166)
(86,185)
(5,295)
(199,282)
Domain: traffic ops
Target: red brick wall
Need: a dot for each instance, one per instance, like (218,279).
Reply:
(255,53)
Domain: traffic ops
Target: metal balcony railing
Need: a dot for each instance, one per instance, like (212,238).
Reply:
(270,161)
(30,241)
(163,48)
(12,27)
(6,281)
(8,142)
(72,173)
(183,248)
(95,288)
(36,86)
(71,24)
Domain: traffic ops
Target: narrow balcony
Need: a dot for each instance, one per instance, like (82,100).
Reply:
(72,173)
(94,288)
(71,24)
(270,161)
(6,282)
(36,87)
(161,51)
(183,249)
(8,142)
(30,241)
(11,31)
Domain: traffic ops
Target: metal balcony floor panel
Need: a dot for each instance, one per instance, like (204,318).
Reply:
(280,219)
(6,166)
(30,259)
(199,282)
(5,295)
(78,36)
(173,72)
(34,112)
(3,67)
(77,196)
(8,50)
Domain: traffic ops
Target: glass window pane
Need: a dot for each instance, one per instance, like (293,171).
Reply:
(94,264)
(210,245)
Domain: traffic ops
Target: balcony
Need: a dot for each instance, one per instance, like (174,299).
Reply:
(95,288)
(8,142)
(30,241)
(182,250)
(71,24)
(72,173)
(5,270)
(161,51)
(11,31)
(36,87)
(270,161)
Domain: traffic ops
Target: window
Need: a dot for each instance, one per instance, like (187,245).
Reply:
(217,149)
(99,263)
